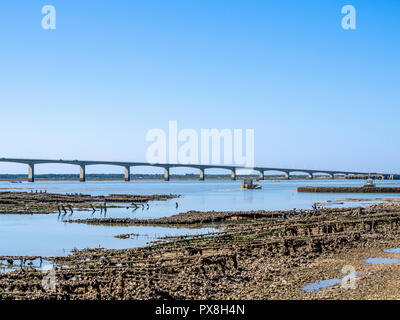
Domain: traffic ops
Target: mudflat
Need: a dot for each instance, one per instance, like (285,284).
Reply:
(254,256)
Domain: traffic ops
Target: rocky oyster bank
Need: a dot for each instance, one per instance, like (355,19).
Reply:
(261,257)
(43,202)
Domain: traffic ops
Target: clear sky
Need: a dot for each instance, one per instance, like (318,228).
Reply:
(317,96)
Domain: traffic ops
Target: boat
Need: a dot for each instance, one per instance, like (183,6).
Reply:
(248,184)
(369,184)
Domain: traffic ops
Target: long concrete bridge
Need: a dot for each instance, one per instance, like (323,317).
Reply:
(127,165)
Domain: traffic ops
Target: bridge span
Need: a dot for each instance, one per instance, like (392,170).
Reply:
(167,166)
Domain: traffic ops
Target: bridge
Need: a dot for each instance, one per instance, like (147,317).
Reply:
(127,165)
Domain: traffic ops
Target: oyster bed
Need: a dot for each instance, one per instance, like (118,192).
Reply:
(264,256)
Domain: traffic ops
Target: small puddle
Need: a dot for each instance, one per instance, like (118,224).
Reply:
(393,250)
(382,260)
(323,284)
(319,285)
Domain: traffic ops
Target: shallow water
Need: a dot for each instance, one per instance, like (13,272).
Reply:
(392,250)
(382,260)
(323,284)
(319,285)
(45,235)
(48,235)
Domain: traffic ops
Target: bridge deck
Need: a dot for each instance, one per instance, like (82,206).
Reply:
(127,165)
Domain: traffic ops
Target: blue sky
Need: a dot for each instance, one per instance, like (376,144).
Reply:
(317,96)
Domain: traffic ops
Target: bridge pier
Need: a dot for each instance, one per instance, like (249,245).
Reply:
(166,174)
(261,176)
(202,175)
(127,173)
(287,175)
(82,174)
(233,174)
(310,175)
(332,175)
(31,172)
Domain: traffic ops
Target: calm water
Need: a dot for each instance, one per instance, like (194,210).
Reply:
(382,260)
(48,235)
